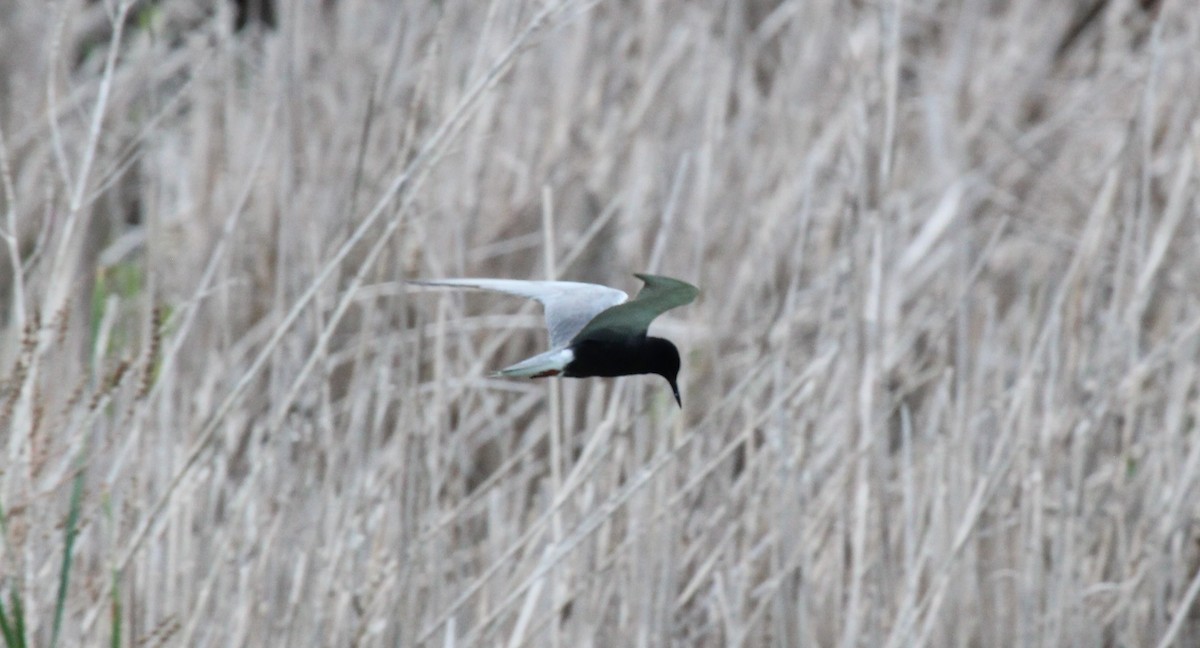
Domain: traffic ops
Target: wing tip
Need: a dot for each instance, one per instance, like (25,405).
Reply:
(431,283)
(648,278)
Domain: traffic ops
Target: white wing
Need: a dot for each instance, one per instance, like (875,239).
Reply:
(569,305)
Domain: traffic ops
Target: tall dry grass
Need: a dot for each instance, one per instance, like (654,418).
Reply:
(940,389)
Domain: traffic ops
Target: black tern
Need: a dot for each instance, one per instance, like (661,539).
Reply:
(595,330)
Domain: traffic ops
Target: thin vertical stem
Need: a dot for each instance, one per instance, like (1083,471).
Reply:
(555,397)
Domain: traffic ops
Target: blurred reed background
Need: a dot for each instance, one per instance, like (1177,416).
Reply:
(940,387)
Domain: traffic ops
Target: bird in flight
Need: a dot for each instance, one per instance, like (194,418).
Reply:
(595,330)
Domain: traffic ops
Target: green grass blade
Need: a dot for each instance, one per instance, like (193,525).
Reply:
(6,632)
(13,630)
(18,618)
(115,590)
(71,531)
(115,641)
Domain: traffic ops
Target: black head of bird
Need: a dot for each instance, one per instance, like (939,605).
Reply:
(664,361)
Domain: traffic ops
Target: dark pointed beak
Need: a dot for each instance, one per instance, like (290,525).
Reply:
(675,390)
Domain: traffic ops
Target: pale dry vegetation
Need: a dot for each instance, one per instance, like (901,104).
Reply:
(941,387)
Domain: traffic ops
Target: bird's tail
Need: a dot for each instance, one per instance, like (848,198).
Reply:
(550,363)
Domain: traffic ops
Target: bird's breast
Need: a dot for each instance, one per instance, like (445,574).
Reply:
(606,358)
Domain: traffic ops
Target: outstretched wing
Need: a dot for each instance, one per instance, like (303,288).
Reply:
(569,305)
(659,295)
